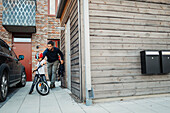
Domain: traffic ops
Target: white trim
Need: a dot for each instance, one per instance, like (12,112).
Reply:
(165,52)
(80,51)
(52,7)
(22,39)
(87,45)
(87,51)
(152,53)
(60,28)
(68,58)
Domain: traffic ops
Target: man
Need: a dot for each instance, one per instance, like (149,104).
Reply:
(52,58)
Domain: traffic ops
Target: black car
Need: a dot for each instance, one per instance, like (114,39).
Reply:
(12,72)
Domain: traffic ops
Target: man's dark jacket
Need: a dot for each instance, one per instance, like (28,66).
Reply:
(52,56)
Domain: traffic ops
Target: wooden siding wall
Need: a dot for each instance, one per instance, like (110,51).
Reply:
(72,12)
(119,30)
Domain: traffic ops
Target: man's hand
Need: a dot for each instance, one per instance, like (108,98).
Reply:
(62,61)
(33,71)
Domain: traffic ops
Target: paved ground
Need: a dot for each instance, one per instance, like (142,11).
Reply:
(59,101)
(11,92)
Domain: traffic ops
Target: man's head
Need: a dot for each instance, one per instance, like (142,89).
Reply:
(50,45)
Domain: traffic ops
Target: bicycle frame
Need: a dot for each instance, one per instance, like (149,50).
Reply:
(41,83)
(39,78)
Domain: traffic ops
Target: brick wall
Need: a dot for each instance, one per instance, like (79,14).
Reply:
(45,29)
(6,36)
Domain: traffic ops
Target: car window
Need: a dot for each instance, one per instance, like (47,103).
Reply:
(5,50)
(13,54)
(4,47)
(3,44)
(0,48)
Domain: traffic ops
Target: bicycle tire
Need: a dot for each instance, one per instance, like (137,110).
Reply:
(42,88)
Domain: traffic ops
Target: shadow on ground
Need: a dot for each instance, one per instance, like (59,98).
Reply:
(11,92)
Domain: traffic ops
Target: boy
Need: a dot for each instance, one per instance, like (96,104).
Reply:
(41,70)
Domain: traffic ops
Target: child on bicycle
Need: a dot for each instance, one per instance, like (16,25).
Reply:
(41,70)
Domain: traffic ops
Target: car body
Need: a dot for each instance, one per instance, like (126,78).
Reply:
(12,72)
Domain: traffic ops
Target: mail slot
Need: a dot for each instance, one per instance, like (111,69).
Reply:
(165,61)
(150,62)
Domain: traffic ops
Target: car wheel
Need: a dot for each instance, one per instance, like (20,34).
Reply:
(3,86)
(22,83)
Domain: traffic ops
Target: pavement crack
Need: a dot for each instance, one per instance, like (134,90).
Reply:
(165,106)
(104,108)
(57,101)
(22,103)
(39,103)
(81,108)
(126,108)
(146,107)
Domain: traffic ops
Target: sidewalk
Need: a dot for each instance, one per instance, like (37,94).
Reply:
(59,101)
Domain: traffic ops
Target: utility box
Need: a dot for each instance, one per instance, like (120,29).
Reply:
(165,61)
(150,62)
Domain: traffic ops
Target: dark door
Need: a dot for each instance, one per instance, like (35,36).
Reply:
(56,42)
(23,46)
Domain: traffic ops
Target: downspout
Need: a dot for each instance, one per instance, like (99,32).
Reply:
(87,52)
(80,52)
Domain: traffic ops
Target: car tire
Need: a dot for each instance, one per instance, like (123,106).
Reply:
(3,85)
(22,83)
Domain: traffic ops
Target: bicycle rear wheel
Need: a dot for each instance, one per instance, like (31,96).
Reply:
(42,88)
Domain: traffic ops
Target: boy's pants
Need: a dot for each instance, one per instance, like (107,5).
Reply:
(52,69)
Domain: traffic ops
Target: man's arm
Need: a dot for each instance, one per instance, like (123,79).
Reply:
(44,54)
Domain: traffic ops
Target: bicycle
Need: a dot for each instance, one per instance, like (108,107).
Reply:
(41,84)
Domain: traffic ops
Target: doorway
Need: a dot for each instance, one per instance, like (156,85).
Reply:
(22,46)
(56,42)
(68,59)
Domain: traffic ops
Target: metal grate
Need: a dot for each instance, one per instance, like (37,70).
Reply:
(19,12)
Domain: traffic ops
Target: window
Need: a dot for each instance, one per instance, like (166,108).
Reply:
(56,42)
(22,39)
(52,7)
(4,47)
(59,2)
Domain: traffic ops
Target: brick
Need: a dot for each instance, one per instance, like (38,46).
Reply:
(43,25)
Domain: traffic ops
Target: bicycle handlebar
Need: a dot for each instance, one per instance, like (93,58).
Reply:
(38,68)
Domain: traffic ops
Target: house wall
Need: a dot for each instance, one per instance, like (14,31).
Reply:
(71,11)
(6,36)
(119,30)
(19,12)
(45,29)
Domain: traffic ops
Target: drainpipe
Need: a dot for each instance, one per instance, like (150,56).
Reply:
(87,52)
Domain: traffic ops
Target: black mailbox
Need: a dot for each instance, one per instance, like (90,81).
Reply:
(165,61)
(150,62)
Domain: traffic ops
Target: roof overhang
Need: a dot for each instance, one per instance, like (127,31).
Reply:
(20,29)
(61,8)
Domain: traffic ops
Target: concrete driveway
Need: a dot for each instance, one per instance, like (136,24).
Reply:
(60,101)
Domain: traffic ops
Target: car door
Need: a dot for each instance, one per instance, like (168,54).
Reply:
(16,65)
(7,59)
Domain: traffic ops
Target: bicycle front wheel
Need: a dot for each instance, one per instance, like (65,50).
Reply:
(42,88)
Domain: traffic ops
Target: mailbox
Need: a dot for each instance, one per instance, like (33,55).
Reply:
(150,62)
(165,61)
